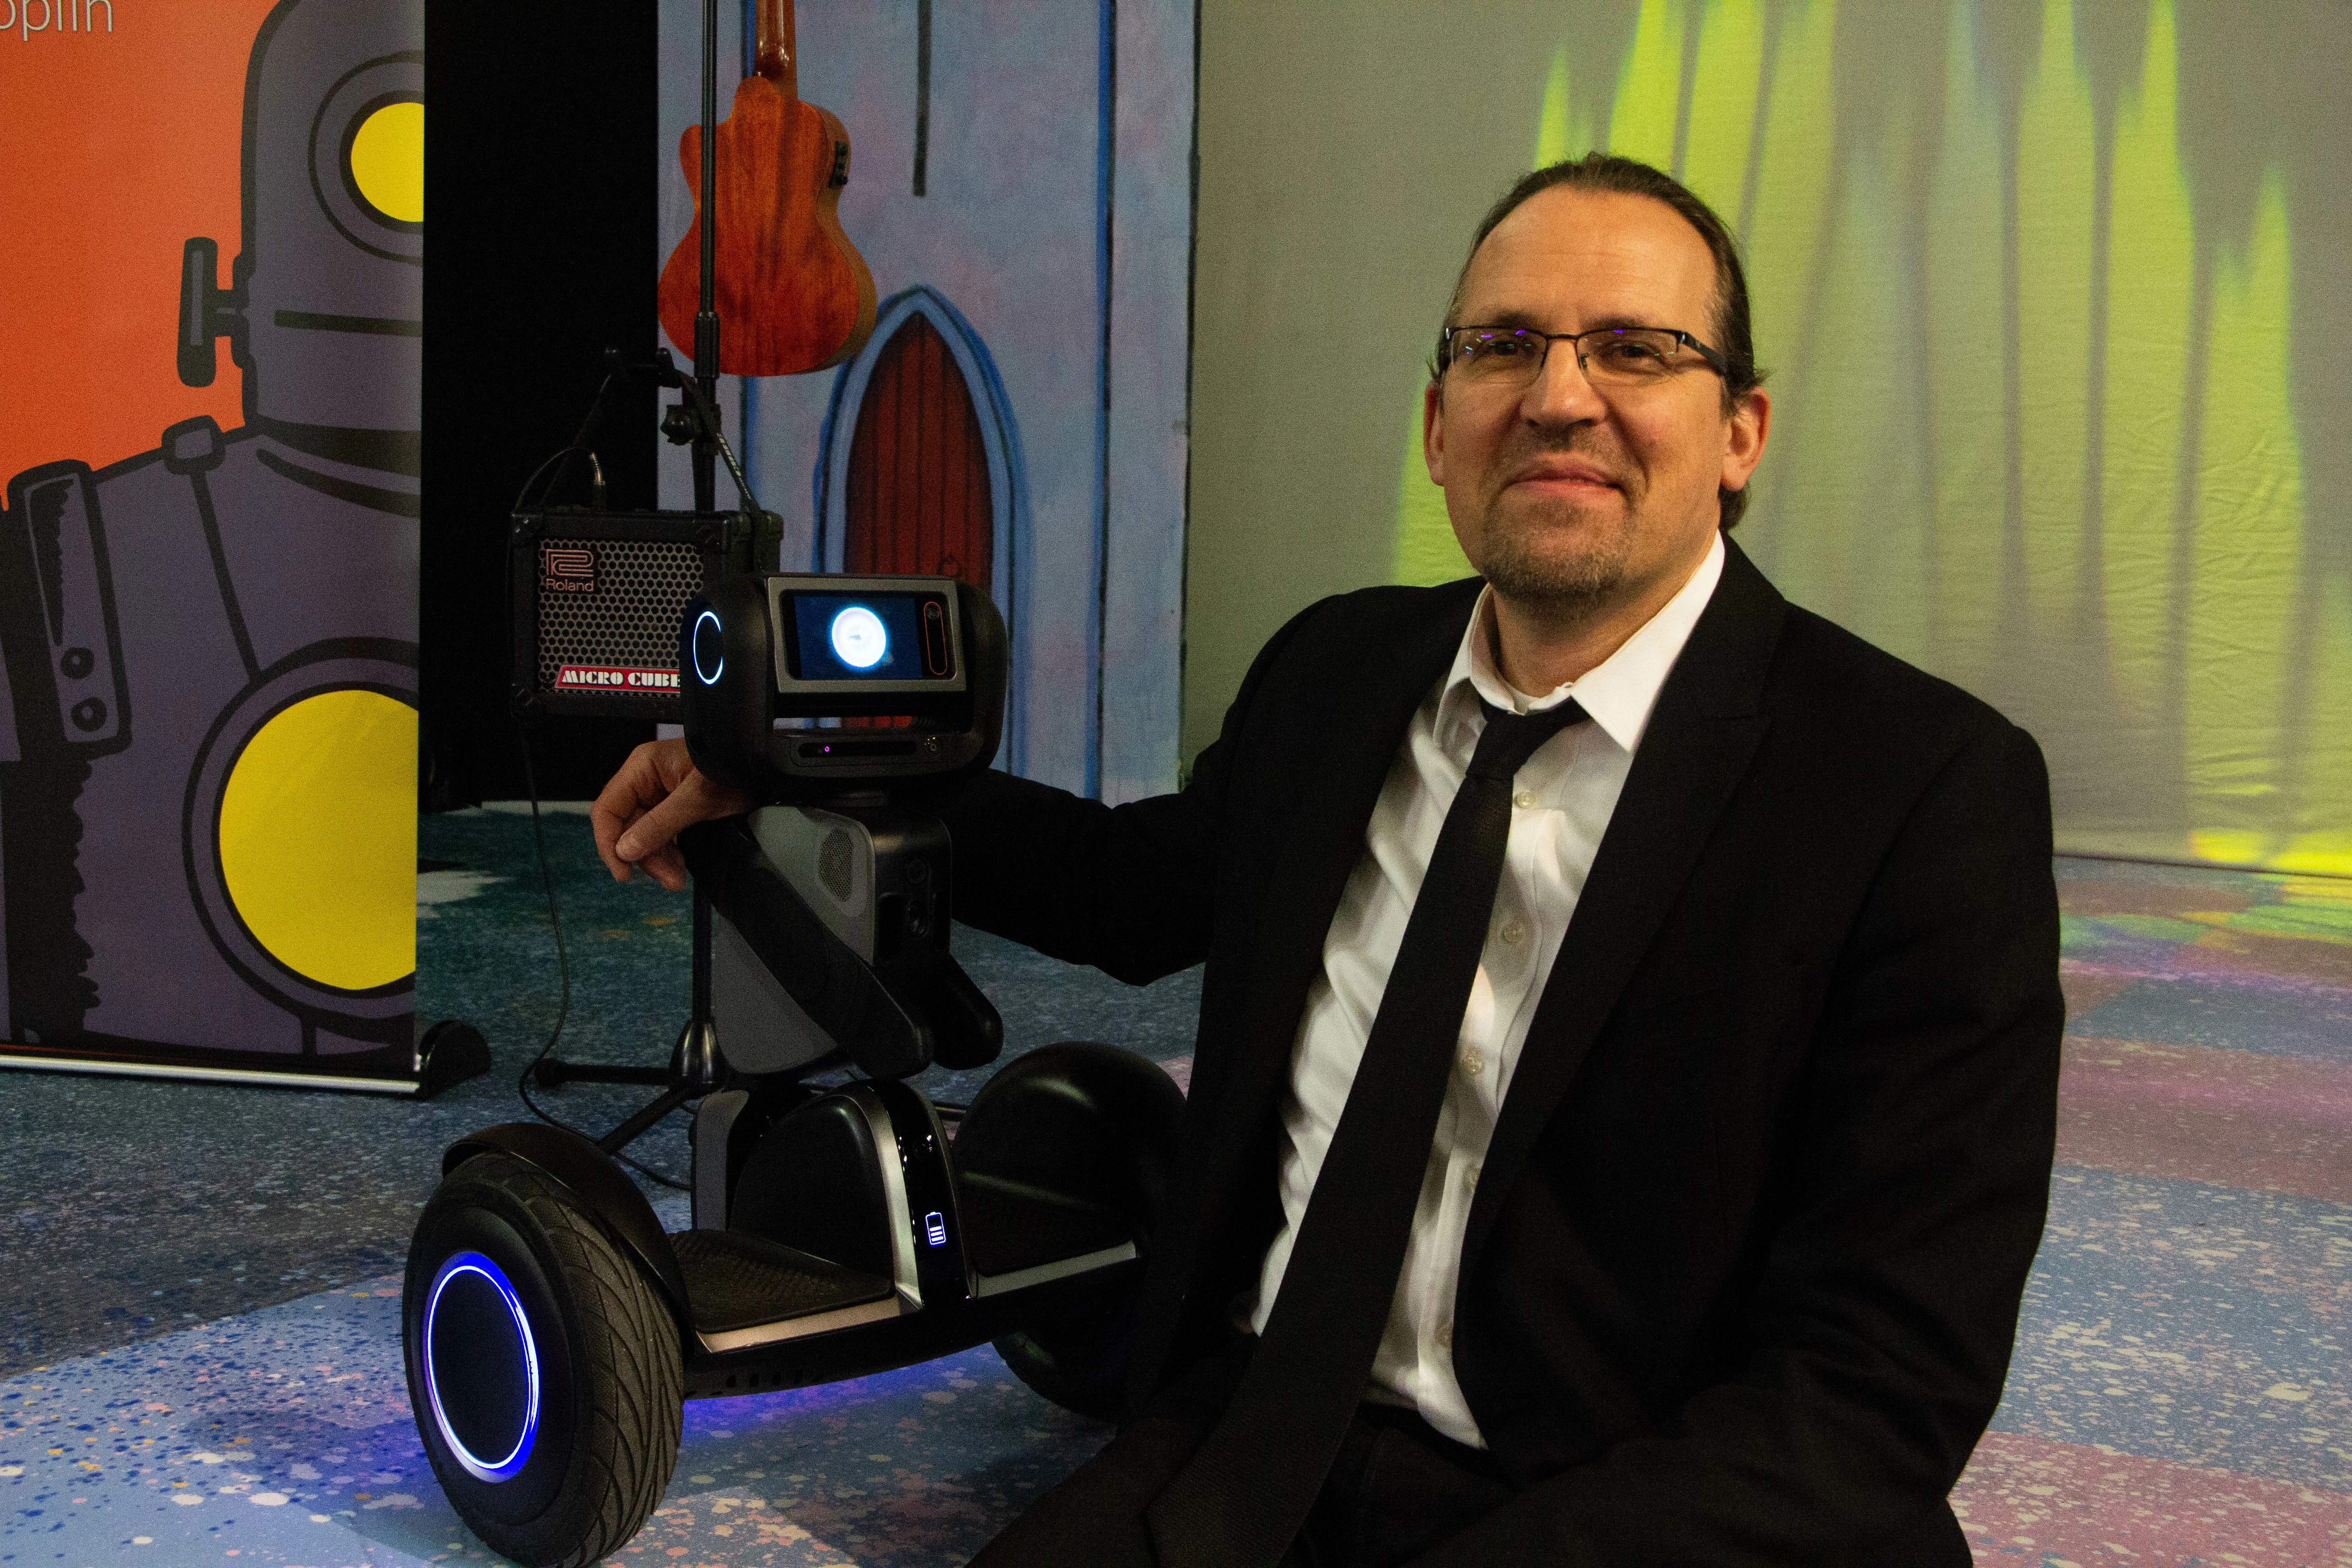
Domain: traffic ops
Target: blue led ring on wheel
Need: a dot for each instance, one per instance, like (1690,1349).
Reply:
(481,1289)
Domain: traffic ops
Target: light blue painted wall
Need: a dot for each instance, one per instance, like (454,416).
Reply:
(1022,192)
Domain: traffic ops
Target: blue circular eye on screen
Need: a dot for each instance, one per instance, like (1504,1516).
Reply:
(859,638)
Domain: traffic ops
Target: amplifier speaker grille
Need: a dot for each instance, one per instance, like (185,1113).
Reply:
(629,619)
(596,598)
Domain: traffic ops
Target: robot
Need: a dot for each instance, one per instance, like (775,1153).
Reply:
(552,1330)
(209,738)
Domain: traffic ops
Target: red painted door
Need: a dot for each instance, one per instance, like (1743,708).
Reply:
(917,497)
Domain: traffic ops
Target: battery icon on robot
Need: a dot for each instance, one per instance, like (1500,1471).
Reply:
(935,1229)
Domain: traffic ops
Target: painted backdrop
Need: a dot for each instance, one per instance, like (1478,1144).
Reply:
(2057,307)
(1020,185)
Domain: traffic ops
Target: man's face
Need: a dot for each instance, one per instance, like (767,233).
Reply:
(1569,499)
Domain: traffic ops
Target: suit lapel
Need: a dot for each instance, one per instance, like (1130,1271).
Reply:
(1368,687)
(1698,743)
(1340,782)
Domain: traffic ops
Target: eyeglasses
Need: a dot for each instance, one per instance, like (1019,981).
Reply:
(1512,357)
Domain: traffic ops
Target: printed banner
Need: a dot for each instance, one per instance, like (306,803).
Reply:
(209,602)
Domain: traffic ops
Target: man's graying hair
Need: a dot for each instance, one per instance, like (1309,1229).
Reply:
(1728,326)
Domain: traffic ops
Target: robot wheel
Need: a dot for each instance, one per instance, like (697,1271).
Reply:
(545,1372)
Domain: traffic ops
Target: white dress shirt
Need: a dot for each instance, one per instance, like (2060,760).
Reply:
(1562,799)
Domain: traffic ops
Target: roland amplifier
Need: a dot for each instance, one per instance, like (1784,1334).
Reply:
(597,596)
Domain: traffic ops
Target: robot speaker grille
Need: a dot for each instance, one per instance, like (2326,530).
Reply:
(833,864)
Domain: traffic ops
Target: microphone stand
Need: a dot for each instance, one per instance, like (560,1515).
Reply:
(694,1065)
(697,1056)
(706,318)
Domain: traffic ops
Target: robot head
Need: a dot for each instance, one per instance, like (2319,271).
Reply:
(326,312)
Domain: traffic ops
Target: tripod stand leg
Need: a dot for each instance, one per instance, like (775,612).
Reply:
(629,1131)
(555,1072)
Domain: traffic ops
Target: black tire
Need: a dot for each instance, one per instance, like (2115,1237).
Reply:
(506,1261)
(1098,1123)
(1077,1357)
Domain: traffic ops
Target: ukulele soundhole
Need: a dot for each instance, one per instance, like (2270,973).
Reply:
(840,165)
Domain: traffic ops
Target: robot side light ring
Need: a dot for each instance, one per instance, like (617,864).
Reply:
(859,638)
(507,1468)
(708,677)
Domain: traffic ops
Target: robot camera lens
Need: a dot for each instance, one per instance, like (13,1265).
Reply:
(859,638)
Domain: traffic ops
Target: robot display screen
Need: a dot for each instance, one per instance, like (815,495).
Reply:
(884,637)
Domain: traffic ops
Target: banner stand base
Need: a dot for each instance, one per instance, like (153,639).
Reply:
(447,1054)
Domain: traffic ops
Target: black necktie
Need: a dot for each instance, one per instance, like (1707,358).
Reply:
(1242,1498)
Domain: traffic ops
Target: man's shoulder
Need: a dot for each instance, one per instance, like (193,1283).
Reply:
(1375,642)
(1824,667)
(1754,650)
(1387,608)
(1362,628)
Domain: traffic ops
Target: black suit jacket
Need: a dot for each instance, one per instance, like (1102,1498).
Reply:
(1744,1264)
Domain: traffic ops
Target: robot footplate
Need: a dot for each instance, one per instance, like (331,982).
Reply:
(737,1283)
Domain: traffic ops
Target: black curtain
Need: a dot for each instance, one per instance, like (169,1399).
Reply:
(542,185)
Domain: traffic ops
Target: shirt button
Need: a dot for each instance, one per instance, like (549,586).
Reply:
(1473,1063)
(1513,933)
(1445,1335)
(1524,799)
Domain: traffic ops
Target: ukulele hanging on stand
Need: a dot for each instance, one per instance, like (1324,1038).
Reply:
(794,293)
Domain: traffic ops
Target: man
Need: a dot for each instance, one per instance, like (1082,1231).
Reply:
(1710,1222)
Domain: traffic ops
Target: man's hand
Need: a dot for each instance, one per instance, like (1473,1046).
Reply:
(657,794)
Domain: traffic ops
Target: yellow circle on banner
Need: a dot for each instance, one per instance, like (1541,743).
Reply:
(388,161)
(318,838)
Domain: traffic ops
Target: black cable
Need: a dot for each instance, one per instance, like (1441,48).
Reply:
(538,841)
(689,387)
(743,484)
(562,975)
(553,459)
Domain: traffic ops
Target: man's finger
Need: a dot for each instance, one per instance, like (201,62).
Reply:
(667,866)
(695,800)
(653,829)
(624,799)
(607,823)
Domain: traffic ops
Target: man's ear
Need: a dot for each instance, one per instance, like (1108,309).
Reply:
(1433,432)
(1743,437)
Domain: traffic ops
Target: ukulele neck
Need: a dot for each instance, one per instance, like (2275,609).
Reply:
(774,55)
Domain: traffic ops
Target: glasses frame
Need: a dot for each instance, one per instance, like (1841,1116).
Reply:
(1445,336)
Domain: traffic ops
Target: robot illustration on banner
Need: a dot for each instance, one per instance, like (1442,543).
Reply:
(207,749)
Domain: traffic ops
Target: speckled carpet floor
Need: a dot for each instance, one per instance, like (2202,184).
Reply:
(199,1345)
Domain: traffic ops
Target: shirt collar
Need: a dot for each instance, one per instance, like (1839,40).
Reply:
(1618,693)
